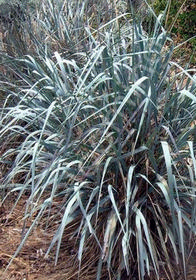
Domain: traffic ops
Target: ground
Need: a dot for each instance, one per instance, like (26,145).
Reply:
(30,264)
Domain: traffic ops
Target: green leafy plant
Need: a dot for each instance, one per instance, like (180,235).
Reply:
(110,134)
(183,13)
(180,21)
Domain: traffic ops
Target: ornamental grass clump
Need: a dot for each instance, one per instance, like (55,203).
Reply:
(109,133)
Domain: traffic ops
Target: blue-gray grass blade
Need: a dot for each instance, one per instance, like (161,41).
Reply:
(193,216)
(141,219)
(181,238)
(115,206)
(67,218)
(109,233)
(168,162)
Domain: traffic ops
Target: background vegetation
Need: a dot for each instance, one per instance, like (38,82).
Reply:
(180,21)
(98,122)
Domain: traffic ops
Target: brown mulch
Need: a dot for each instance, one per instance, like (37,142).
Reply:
(31,263)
